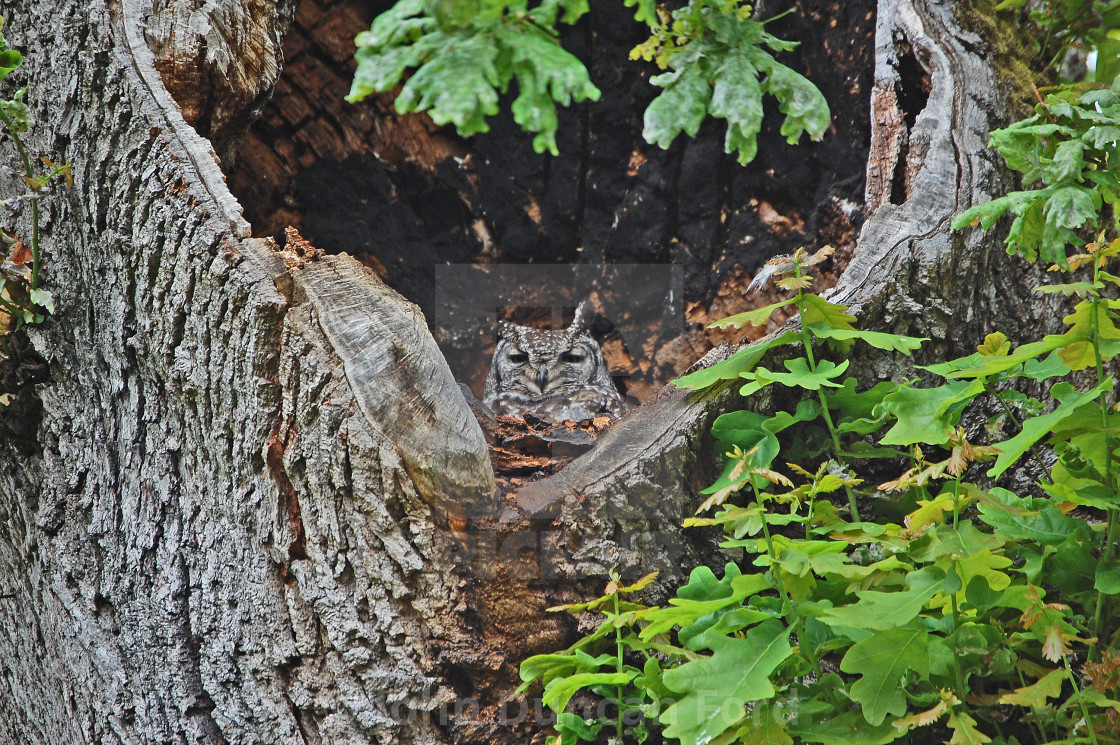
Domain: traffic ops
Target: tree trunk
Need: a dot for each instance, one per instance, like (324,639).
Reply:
(258,508)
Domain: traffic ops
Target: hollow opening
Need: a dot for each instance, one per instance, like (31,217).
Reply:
(662,241)
(914,86)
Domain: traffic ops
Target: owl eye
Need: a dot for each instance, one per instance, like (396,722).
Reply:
(518,357)
(571,357)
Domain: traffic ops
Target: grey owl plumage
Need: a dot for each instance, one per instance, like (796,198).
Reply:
(553,375)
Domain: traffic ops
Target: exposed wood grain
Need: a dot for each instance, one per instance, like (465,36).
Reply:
(402,384)
(219,61)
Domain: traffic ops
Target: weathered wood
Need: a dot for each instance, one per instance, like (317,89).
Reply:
(371,567)
(402,384)
(219,61)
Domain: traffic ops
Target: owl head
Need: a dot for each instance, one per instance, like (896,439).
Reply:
(538,363)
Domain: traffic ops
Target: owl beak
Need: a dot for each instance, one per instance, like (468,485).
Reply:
(542,377)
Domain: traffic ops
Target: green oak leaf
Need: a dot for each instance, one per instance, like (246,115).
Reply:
(763,729)
(545,13)
(1019,519)
(645,11)
(1068,161)
(730,369)
(847,728)
(10,59)
(964,730)
(879,610)
(714,690)
(802,102)
(578,727)
(881,661)
(703,587)
(927,415)
(737,97)
(756,317)
(560,690)
(1035,428)
(1035,695)
(458,87)
(877,339)
(1107,577)
(799,376)
(1051,367)
(1077,350)
(680,107)
(547,75)
(818,312)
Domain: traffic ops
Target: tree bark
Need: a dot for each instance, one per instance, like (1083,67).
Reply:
(258,508)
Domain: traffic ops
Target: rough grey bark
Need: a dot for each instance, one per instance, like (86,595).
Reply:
(259,510)
(221,536)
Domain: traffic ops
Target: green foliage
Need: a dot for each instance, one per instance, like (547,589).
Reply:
(464,54)
(737,671)
(1069,146)
(719,67)
(882,661)
(1077,24)
(10,59)
(21,299)
(956,612)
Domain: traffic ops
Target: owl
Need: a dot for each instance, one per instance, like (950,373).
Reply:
(553,375)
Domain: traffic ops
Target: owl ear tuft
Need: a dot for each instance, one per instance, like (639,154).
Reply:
(582,320)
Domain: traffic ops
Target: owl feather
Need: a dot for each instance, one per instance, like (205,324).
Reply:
(552,375)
